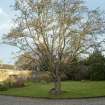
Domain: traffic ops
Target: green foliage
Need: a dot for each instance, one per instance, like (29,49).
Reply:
(96,65)
(92,68)
(95,57)
(73,89)
(77,71)
(3,86)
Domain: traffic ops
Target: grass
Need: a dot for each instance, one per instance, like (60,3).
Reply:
(74,89)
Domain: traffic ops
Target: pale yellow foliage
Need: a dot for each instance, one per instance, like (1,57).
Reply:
(5,73)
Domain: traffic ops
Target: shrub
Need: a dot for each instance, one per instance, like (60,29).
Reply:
(15,81)
(97,71)
(96,65)
(77,71)
(19,82)
(92,68)
(3,87)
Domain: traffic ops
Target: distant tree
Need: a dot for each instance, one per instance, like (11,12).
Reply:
(96,65)
(63,27)
(77,70)
(25,62)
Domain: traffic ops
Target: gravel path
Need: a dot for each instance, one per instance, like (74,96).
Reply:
(7,100)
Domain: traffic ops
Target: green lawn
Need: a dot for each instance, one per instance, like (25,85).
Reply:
(73,90)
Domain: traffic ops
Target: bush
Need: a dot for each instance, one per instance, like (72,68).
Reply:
(19,82)
(96,65)
(3,87)
(15,81)
(77,72)
(92,68)
(97,71)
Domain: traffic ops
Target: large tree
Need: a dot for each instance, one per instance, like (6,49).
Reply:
(59,30)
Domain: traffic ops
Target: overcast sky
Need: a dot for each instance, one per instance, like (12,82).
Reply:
(6,16)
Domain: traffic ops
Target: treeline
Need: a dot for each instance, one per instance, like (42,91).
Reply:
(91,68)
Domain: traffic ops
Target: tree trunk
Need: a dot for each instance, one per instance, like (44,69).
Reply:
(57,83)
(56,76)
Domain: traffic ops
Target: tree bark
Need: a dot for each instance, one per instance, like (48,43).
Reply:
(57,83)
(56,90)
